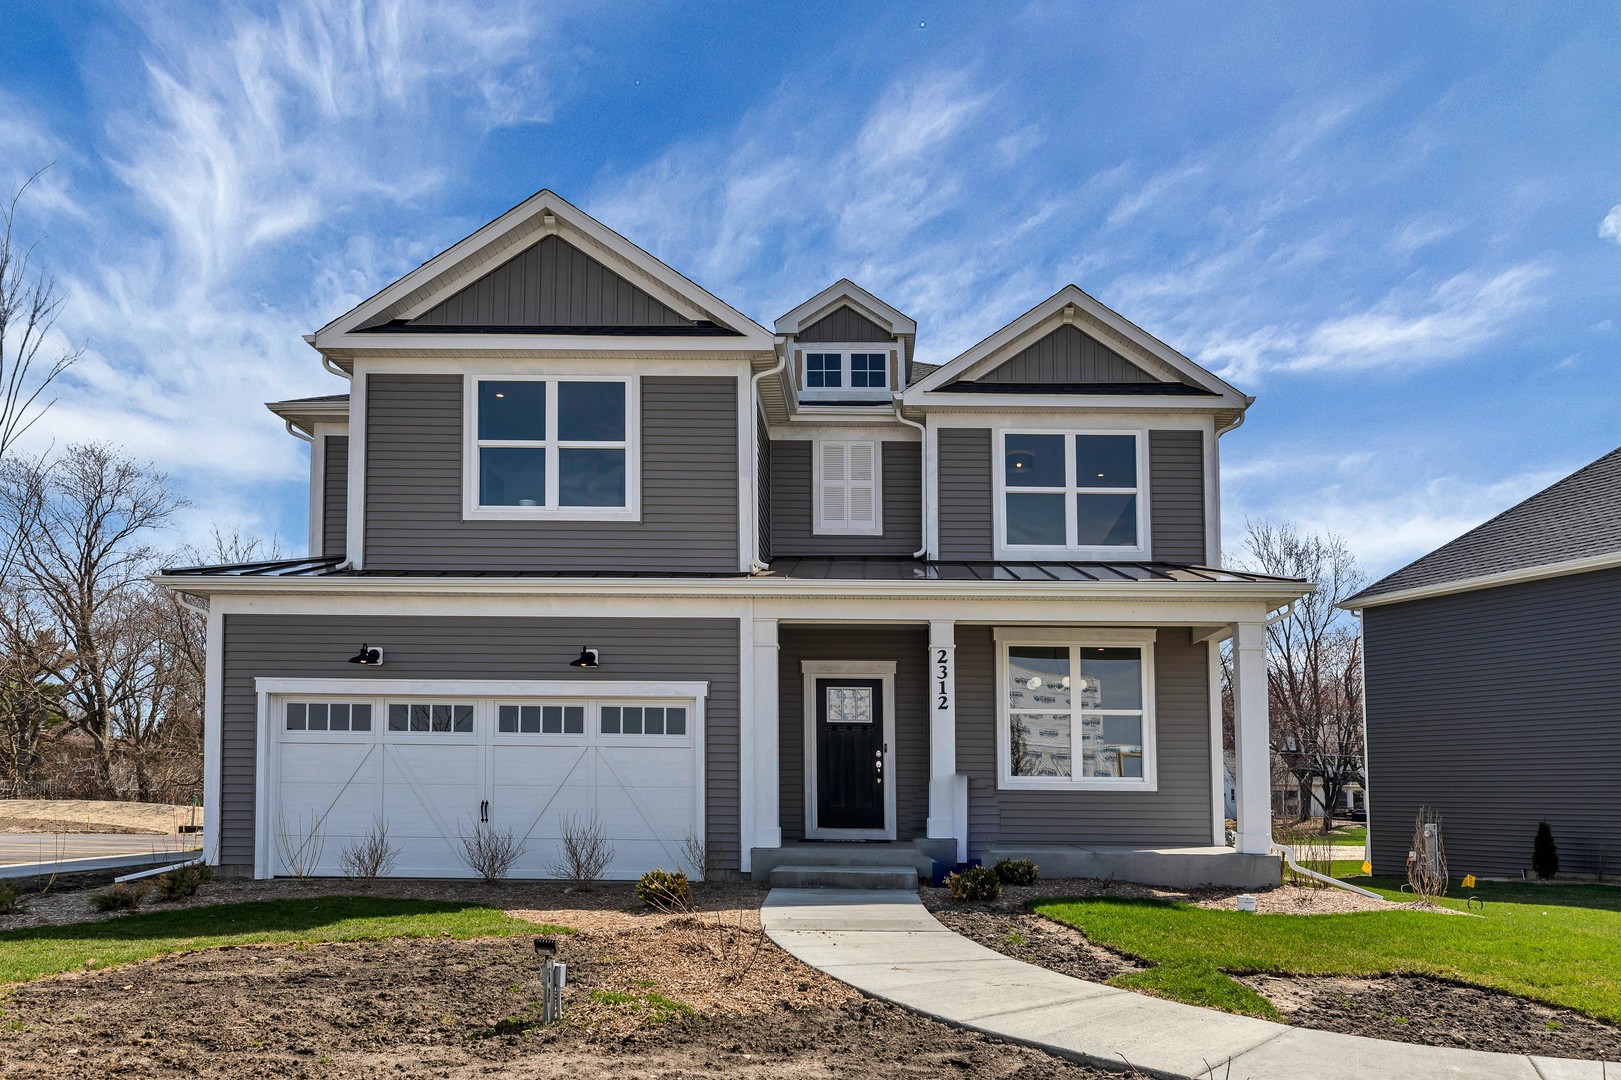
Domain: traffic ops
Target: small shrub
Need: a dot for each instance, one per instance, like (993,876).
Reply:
(1427,861)
(11,899)
(975,883)
(183,881)
(1016,871)
(663,890)
(118,898)
(1544,852)
(489,852)
(586,852)
(372,856)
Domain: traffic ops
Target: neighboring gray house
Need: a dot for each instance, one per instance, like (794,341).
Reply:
(625,554)
(1493,670)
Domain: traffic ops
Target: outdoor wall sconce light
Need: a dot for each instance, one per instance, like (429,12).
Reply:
(369,655)
(588,658)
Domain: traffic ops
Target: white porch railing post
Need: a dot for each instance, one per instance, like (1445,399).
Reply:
(1252,742)
(942,822)
(765,731)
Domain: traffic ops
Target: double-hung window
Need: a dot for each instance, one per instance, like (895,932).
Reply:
(1067,493)
(1077,710)
(846,482)
(846,373)
(561,447)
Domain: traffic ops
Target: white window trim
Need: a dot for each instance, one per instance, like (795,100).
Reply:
(1080,638)
(845,391)
(819,524)
(1012,552)
(883,670)
(473,511)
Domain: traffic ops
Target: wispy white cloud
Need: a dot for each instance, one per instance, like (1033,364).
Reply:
(1610,227)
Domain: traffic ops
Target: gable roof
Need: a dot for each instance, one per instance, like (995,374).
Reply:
(846,293)
(1121,353)
(411,311)
(1571,526)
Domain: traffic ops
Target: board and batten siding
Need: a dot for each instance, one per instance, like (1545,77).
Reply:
(792,503)
(335,495)
(553,283)
(966,490)
(1498,708)
(1066,356)
(1176,495)
(844,324)
(473,648)
(689,487)
(1179,813)
(907,646)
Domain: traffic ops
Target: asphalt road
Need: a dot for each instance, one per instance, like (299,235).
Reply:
(49,847)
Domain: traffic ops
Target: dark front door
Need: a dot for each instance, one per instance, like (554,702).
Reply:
(850,754)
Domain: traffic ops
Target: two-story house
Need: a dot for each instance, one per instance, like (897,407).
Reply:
(589,544)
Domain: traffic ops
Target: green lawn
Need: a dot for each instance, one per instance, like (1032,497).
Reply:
(51,950)
(1554,943)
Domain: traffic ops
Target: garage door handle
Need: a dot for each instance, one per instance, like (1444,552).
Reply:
(484,811)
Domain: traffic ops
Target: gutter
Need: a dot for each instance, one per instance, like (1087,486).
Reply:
(923,471)
(778,346)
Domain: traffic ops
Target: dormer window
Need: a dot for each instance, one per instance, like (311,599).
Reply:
(562,448)
(846,373)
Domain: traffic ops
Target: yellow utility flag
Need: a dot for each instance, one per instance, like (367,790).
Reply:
(1469,881)
(1367,867)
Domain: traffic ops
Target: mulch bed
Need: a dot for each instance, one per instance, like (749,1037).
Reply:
(1399,1008)
(443,1007)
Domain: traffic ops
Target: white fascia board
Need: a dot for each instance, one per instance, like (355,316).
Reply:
(671,287)
(845,291)
(1051,310)
(348,347)
(946,400)
(1490,581)
(1275,594)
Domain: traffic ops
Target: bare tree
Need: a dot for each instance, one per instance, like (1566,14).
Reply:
(29,305)
(80,527)
(1314,663)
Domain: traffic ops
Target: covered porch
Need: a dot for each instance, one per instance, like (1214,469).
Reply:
(946,720)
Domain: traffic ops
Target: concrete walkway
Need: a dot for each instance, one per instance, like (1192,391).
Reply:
(886,944)
(31,854)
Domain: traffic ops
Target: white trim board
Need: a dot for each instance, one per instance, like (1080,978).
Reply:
(883,670)
(1490,581)
(839,294)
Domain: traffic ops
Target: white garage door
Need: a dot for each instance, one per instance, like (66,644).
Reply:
(434,769)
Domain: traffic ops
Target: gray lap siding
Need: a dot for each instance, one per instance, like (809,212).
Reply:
(1498,708)
(1179,813)
(474,648)
(689,463)
(792,527)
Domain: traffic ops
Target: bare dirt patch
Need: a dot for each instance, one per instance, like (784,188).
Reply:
(1399,1008)
(1433,1012)
(94,816)
(641,1002)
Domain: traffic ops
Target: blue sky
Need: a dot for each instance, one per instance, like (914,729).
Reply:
(1399,226)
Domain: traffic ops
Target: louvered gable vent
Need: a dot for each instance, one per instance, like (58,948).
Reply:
(847,487)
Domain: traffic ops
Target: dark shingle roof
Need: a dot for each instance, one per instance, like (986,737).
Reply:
(1577,518)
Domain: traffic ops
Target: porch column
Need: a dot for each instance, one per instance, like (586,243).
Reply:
(764,729)
(1252,746)
(942,823)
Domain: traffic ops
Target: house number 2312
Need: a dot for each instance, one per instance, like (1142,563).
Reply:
(942,679)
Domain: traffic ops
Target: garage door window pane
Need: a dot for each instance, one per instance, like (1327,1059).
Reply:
(506,720)
(675,721)
(317,716)
(574,719)
(653,724)
(633,721)
(552,722)
(464,717)
(399,717)
(295,716)
(360,717)
(340,717)
(610,720)
(421,718)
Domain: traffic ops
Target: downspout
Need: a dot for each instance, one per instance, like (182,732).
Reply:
(922,451)
(326,362)
(188,601)
(308,437)
(1288,854)
(754,424)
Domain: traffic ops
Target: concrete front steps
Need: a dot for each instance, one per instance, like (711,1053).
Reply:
(925,857)
(844,877)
